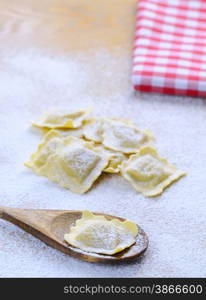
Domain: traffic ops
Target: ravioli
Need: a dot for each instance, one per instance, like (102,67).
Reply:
(93,130)
(149,173)
(115,159)
(76,149)
(123,136)
(49,145)
(93,233)
(73,165)
(58,118)
(76,132)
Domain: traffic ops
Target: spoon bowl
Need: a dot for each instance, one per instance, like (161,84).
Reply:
(51,225)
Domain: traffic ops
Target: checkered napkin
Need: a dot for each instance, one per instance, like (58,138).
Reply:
(170,47)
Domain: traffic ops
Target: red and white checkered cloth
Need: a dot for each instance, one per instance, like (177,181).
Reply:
(170,47)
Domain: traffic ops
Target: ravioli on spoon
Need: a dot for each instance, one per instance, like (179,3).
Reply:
(96,234)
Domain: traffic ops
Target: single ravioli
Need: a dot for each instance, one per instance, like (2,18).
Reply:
(123,136)
(51,141)
(75,166)
(60,118)
(96,234)
(77,132)
(149,173)
(93,130)
(115,159)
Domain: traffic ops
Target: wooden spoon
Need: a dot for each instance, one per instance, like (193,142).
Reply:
(50,226)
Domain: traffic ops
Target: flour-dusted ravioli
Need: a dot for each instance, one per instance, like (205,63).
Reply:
(123,136)
(59,118)
(149,173)
(75,166)
(93,130)
(49,145)
(115,159)
(77,132)
(93,233)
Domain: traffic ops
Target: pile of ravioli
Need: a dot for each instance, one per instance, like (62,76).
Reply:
(77,147)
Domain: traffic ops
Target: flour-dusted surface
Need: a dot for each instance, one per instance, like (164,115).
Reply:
(37,73)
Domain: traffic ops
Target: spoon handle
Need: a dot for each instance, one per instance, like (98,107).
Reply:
(14,216)
(6,213)
(29,219)
(1,212)
(34,221)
